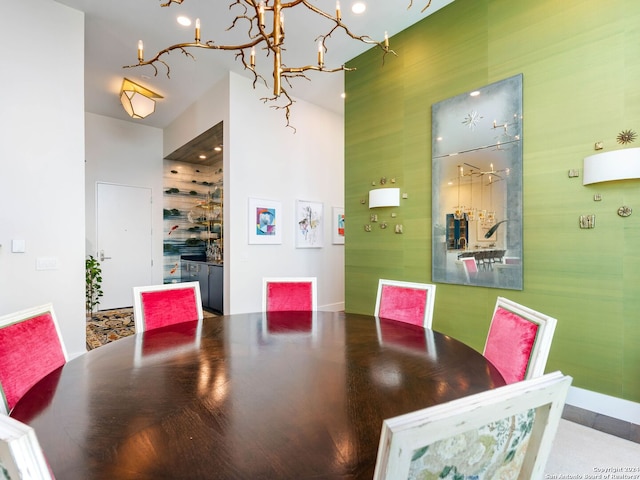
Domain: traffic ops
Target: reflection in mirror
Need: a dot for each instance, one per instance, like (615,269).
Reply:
(477,187)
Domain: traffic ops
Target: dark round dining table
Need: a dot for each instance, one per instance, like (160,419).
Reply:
(290,395)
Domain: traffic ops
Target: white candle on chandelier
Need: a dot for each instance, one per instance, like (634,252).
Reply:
(320,54)
(261,14)
(338,13)
(140,51)
(252,57)
(386,40)
(197,30)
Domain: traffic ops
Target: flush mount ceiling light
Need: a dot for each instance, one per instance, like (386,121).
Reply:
(184,21)
(358,8)
(137,100)
(270,43)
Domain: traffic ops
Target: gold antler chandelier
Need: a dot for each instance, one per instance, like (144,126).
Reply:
(254,12)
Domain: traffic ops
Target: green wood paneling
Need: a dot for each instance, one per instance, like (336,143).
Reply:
(581,72)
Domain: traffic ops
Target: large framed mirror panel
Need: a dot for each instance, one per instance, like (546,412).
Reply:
(477,187)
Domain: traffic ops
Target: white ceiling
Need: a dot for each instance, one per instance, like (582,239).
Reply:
(113,28)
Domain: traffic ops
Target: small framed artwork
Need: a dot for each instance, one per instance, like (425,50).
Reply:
(484,227)
(265,222)
(309,224)
(337,230)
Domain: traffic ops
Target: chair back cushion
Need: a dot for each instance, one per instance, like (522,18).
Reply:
(509,344)
(165,307)
(289,296)
(29,350)
(470,263)
(403,304)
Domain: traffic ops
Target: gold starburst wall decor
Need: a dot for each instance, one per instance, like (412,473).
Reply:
(626,136)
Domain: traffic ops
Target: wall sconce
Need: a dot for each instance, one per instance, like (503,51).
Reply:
(614,165)
(137,100)
(384,197)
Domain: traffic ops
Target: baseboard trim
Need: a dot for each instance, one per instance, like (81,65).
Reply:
(604,404)
(332,307)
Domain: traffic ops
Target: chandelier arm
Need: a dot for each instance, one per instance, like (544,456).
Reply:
(286,107)
(256,75)
(316,68)
(168,4)
(411,3)
(362,38)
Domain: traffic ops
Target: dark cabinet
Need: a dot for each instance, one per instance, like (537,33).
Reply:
(216,287)
(211,279)
(197,271)
(457,232)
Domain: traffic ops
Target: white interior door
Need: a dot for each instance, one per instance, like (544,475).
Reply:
(124,242)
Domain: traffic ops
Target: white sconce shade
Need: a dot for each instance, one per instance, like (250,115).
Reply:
(616,165)
(384,197)
(137,100)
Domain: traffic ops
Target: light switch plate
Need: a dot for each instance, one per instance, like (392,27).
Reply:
(18,246)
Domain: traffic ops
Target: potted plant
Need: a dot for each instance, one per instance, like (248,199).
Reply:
(93,283)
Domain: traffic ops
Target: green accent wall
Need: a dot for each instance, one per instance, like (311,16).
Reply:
(580,61)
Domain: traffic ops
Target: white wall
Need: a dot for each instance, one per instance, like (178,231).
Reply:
(264,159)
(42,161)
(124,153)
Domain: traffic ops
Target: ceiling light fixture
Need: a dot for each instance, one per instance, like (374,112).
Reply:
(271,42)
(184,21)
(358,8)
(137,100)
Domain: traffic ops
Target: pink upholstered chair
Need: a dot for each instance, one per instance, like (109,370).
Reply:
(288,294)
(156,306)
(506,432)
(408,302)
(20,452)
(31,347)
(519,340)
(470,267)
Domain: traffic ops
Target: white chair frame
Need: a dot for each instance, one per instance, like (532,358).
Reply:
(544,335)
(20,451)
(138,312)
(23,315)
(404,434)
(427,321)
(314,288)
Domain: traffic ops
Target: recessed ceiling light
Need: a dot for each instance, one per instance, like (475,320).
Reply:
(358,8)
(202,157)
(475,93)
(218,149)
(184,21)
